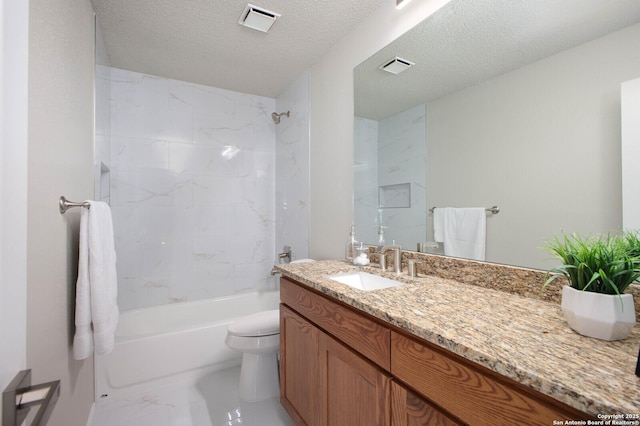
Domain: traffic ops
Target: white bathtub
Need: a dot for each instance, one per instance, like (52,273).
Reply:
(177,340)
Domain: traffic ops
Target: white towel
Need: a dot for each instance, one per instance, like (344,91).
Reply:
(438,225)
(96,289)
(463,232)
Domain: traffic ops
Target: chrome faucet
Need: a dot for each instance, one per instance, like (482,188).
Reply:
(397,258)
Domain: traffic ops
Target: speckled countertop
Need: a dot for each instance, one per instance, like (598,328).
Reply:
(519,336)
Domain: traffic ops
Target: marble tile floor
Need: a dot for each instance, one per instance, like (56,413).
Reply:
(211,401)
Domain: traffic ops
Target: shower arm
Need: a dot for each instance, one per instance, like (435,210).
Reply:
(276,117)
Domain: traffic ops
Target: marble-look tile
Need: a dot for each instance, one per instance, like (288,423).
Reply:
(365,181)
(143,153)
(391,152)
(193,178)
(142,107)
(211,400)
(292,170)
(402,158)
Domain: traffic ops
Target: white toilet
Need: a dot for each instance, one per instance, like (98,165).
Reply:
(257,336)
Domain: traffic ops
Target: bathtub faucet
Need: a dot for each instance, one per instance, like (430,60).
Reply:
(285,256)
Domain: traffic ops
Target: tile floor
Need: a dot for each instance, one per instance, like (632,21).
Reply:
(211,401)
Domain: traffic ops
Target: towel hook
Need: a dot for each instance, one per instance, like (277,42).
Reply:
(65,204)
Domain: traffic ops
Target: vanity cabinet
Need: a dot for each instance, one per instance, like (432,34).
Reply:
(339,366)
(325,383)
(299,367)
(470,392)
(334,362)
(409,409)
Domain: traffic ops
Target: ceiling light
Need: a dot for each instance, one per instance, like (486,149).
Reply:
(401,3)
(396,65)
(257,18)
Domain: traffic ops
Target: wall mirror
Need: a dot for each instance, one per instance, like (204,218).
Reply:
(508,103)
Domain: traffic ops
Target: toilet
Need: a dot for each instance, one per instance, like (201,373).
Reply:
(257,336)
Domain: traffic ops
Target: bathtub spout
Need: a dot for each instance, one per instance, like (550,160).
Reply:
(285,255)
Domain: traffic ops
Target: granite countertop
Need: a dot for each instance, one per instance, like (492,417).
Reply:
(523,338)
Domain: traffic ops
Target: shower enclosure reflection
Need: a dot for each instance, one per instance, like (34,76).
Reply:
(389,178)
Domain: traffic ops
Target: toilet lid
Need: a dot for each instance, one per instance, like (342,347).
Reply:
(263,323)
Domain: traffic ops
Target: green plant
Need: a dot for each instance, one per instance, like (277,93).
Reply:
(632,237)
(606,265)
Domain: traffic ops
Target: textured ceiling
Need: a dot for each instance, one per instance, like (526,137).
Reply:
(469,41)
(200,40)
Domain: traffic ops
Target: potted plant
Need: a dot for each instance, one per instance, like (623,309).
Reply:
(598,269)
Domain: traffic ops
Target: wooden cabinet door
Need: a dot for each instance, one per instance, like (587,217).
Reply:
(354,391)
(299,368)
(409,409)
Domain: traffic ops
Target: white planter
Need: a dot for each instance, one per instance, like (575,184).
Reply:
(598,315)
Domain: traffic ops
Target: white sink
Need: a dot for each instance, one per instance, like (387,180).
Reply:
(364,280)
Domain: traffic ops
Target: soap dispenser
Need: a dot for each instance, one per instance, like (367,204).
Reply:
(350,250)
(381,242)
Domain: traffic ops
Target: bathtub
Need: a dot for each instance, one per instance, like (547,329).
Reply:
(180,340)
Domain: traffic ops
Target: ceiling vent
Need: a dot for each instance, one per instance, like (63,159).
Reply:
(257,18)
(396,65)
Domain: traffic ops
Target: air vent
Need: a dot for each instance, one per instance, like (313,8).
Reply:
(258,18)
(396,65)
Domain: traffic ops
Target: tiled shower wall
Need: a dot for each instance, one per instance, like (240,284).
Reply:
(365,180)
(292,171)
(391,151)
(102,143)
(402,159)
(192,190)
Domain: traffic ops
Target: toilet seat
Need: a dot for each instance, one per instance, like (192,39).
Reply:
(265,323)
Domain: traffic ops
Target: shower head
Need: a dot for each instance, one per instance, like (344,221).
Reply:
(276,116)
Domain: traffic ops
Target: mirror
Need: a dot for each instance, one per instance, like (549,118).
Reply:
(513,104)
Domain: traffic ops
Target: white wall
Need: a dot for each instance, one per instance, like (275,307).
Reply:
(331,151)
(14,27)
(192,185)
(292,169)
(542,142)
(60,159)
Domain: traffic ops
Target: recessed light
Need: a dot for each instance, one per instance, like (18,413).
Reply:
(396,65)
(258,18)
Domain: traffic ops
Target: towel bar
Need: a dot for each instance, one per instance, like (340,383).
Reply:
(20,396)
(65,204)
(494,209)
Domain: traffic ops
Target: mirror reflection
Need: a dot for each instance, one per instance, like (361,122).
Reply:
(514,104)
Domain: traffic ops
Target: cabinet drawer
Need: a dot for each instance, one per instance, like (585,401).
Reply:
(472,395)
(409,409)
(360,333)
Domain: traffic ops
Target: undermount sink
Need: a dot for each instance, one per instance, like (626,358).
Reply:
(364,280)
